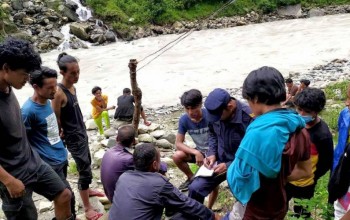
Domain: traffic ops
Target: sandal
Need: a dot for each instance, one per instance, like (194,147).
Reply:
(95,217)
(147,123)
(96,193)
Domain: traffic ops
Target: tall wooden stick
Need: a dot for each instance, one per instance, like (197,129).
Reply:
(137,93)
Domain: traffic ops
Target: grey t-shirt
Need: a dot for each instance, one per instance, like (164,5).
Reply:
(16,154)
(198,131)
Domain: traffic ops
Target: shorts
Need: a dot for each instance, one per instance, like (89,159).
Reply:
(81,154)
(47,184)
(193,158)
(61,170)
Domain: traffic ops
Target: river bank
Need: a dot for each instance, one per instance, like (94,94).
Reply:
(208,59)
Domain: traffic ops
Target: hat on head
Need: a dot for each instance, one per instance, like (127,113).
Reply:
(215,103)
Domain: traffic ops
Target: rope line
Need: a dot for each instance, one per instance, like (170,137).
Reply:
(177,40)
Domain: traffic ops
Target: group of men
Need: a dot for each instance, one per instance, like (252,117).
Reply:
(243,144)
(217,131)
(33,155)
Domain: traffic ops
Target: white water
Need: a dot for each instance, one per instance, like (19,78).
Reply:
(207,59)
(84,14)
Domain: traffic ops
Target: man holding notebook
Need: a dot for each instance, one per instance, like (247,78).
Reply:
(228,120)
(195,123)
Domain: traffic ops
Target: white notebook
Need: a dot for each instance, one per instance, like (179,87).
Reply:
(204,172)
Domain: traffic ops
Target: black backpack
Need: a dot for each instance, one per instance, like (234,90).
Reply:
(340,178)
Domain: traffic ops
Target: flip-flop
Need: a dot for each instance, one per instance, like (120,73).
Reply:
(148,123)
(96,193)
(95,217)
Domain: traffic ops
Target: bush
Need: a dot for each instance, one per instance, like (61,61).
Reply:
(318,205)
(337,91)
(267,6)
(287,2)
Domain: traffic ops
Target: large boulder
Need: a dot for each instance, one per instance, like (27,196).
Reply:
(315,12)
(145,138)
(17,4)
(110,36)
(158,134)
(90,124)
(69,13)
(162,143)
(98,157)
(290,10)
(80,30)
(116,124)
(110,142)
(169,137)
(147,129)
(57,34)
(110,132)
(72,5)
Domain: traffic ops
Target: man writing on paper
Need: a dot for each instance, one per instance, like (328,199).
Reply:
(195,122)
(228,121)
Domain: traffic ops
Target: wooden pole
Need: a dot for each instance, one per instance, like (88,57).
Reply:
(137,93)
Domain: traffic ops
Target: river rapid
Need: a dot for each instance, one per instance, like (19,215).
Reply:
(207,59)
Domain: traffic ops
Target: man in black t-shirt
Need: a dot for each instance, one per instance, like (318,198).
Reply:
(125,109)
(22,172)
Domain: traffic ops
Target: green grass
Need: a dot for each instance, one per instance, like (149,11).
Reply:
(330,116)
(72,168)
(145,12)
(337,91)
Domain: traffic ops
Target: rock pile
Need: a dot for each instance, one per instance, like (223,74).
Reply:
(40,21)
(289,12)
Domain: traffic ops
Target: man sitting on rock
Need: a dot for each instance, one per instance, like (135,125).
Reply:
(194,122)
(143,193)
(228,121)
(125,108)
(118,159)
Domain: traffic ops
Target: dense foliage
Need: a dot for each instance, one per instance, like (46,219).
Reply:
(144,12)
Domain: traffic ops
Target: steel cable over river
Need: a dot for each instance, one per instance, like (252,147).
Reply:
(207,59)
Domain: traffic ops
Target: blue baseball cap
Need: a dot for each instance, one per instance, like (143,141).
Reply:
(215,104)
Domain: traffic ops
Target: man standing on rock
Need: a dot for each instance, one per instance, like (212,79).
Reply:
(41,124)
(72,129)
(228,121)
(194,122)
(21,169)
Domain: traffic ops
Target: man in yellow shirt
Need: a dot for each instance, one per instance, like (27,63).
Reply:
(100,109)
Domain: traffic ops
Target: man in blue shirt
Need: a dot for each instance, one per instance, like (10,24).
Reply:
(41,124)
(143,193)
(228,121)
(194,122)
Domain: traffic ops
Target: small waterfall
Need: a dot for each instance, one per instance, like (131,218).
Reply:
(65,44)
(84,14)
